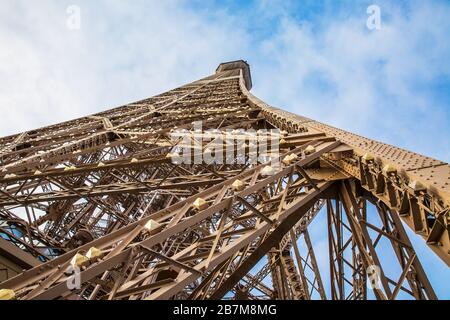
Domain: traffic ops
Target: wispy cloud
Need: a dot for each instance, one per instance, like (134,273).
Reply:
(384,84)
(123,52)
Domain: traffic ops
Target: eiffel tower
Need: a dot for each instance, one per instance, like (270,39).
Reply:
(97,209)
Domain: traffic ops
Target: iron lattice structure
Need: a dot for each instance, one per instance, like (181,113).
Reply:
(102,193)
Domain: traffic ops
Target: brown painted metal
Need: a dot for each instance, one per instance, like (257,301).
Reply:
(95,182)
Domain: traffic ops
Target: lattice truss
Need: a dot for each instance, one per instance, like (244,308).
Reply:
(102,194)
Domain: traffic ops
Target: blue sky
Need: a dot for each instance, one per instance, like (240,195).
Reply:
(315,58)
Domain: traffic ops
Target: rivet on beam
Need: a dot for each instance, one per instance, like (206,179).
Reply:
(417,186)
(79,261)
(200,204)
(310,150)
(290,159)
(151,225)
(238,185)
(94,254)
(7,294)
(267,171)
(367,158)
(389,169)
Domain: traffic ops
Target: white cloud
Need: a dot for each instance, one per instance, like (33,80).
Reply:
(124,51)
(368,82)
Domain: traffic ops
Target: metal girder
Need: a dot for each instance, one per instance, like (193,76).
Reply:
(232,236)
(107,182)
